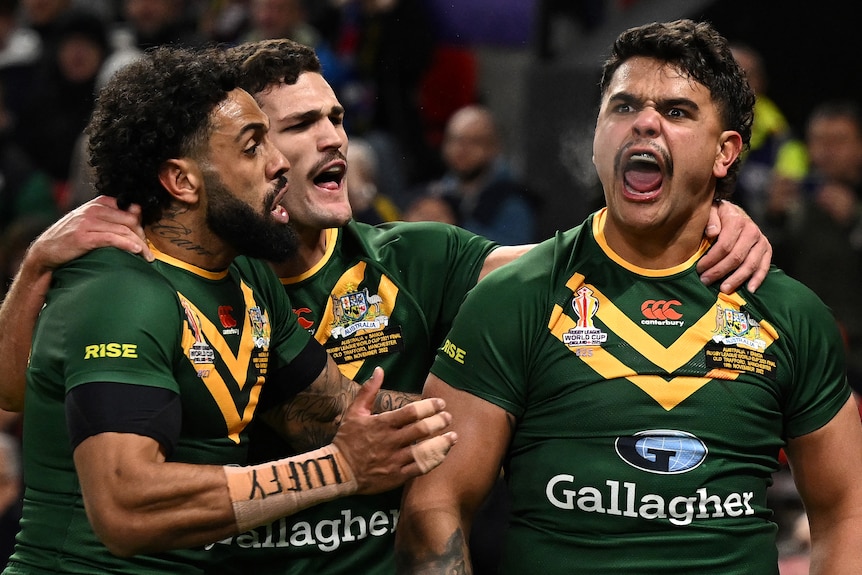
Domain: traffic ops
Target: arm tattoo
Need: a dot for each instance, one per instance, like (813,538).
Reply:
(388,400)
(453,560)
(310,419)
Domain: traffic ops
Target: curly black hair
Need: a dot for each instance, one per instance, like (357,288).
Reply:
(700,52)
(268,62)
(152,110)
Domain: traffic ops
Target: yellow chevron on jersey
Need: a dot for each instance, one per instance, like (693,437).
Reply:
(201,336)
(723,324)
(334,316)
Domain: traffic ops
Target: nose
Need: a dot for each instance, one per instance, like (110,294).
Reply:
(647,123)
(276,163)
(331,135)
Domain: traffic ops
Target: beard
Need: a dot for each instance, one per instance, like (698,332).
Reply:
(252,234)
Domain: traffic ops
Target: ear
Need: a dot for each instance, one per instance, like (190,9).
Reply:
(729,148)
(182,179)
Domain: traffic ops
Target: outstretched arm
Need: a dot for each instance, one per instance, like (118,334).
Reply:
(740,247)
(311,418)
(18,315)
(437,510)
(501,256)
(826,466)
(98,223)
(137,502)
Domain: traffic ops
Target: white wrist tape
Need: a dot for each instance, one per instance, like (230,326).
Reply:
(260,494)
(430,453)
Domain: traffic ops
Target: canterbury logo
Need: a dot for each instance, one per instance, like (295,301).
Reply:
(660,309)
(304,323)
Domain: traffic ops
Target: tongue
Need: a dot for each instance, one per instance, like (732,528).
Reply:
(643,178)
(327,184)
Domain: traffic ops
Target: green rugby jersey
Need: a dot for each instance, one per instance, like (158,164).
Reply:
(382,295)
(112,317)
(650,408)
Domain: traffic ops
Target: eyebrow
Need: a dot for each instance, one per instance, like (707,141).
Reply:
(314,114)
(628,97)
(250,127)
(678,102)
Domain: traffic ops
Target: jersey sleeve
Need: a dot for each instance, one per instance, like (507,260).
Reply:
(445,264)
(130,339)
(820,386)
(488,350)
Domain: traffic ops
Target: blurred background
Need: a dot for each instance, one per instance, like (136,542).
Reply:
(445,97)
(402,67)
(539,64)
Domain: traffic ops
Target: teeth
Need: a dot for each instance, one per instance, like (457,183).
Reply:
(644,157)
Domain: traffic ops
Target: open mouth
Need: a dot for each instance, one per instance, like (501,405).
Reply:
(278,211)
(331,177)
(642,173)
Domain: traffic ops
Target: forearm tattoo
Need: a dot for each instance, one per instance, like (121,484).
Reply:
(310,419)
(388,400)
(453,560)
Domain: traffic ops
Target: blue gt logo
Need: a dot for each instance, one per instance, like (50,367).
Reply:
(662,451)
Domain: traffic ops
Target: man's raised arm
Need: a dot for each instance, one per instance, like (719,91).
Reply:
(97,223)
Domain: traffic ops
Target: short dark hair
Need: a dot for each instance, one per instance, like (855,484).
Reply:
(268,62)
(700,52)
(154,109)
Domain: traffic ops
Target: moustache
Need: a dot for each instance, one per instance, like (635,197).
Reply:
(331,156)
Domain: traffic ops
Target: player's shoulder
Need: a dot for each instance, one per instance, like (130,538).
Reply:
(546,260)
(406,230)
(431,240)
(111,264)
(109,276)
(781,290)
(114,256)
(784,300)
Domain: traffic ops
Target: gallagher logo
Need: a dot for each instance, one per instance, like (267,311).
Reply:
(661,312)
(662,451)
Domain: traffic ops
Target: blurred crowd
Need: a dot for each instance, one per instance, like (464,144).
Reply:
(423,145)
(804,190)
(399,83)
